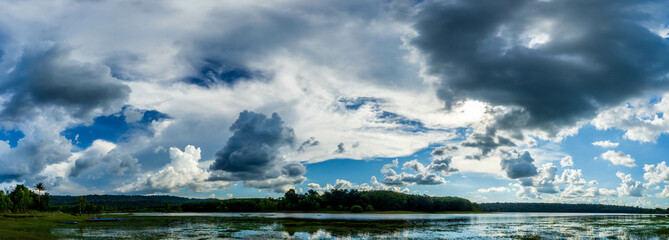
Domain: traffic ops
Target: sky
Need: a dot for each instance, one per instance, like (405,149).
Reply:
(490,100)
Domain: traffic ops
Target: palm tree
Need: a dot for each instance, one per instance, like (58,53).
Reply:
(40,188)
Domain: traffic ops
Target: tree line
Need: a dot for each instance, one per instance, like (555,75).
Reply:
(563,207)
(336,200)
(126,203)
(22,199)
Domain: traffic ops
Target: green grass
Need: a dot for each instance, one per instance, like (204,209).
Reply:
(36,225)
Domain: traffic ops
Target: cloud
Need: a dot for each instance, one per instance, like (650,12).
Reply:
(344,184)
(518,165)
(181,172)
(572,177)
(132,115)
(488,141)
(577,189)
(308,143)
(253,153)
(388,167)
(443,151)
(340,149)
(629,187)
(618,158)
(567,161)
(559,62)
(606,144)
(493,189)
(107,156)
(641,120)
(42,145)
(339,184)
(442,164)
(45,77)
(656,173)
(422,176)
(415,165)
(405,179)
(43,93)
(664,193)
(545,182)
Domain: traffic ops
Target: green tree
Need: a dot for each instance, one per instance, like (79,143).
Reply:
(45,200)
(356,209)
(21,197)
(5,203)
(291,198)
(81,201)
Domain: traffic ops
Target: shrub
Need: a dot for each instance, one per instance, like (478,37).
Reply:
(356,209)
(369,208)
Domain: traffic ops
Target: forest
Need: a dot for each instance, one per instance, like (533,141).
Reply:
(22,199)
(564,207)
(336,200)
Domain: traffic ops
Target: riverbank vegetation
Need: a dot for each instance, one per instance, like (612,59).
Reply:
(22,199)
(336,200)
(564,207)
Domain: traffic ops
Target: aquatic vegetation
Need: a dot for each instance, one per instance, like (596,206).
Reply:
(322,225)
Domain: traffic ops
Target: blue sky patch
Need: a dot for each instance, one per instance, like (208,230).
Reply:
(111,128)
(11,135)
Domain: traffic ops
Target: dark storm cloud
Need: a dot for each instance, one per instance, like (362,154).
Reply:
(598,54)
(253,151)
(487,142)
(213,72)
(518,165)
(46,77)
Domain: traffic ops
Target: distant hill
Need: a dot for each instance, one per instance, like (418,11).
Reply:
(124,201)
(559,207)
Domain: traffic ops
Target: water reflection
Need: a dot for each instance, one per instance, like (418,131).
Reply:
(361,226)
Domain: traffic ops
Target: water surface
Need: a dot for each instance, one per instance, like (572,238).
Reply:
(373,226)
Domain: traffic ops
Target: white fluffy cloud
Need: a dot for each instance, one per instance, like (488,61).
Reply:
(656,173)
(183,171)
(629,187)
(619,158)
(493,189)
(567,161)
(605,144)
(641,120)
(664,193)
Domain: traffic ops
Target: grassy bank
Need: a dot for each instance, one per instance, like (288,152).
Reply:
(37,225)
